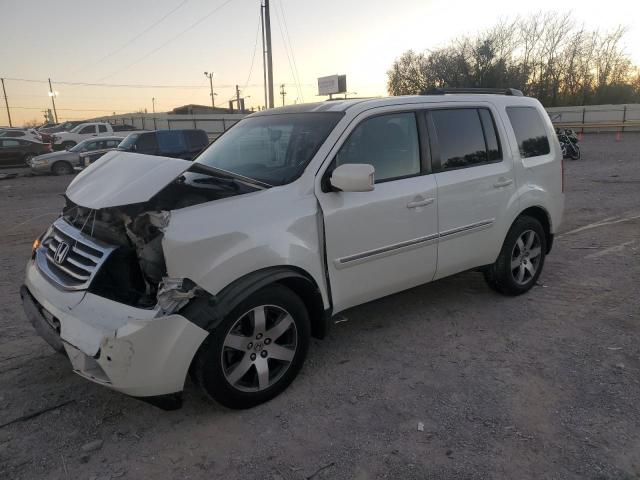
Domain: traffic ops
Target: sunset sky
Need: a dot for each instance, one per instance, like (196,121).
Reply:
(115,43)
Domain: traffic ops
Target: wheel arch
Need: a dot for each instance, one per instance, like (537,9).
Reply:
(542,215)
(294,278)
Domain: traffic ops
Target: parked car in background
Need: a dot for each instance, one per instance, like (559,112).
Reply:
(47,125)
(61,127)
(24,133)
(223,268)
(19,151)
(184,144)
(65,140)
(63,162)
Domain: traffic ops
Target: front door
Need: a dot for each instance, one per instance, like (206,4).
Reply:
(385,240)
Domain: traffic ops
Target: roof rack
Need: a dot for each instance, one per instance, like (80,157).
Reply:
(494,91)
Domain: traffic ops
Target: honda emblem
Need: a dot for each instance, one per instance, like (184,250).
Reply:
(61,253)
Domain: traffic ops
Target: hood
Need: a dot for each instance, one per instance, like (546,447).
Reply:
(122,178)
(61,155)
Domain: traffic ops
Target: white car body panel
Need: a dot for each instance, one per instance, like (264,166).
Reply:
(122,178)
(268,228)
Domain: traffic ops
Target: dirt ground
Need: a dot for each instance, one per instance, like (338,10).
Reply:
(544,385)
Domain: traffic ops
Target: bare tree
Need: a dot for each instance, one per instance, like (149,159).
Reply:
(545,55)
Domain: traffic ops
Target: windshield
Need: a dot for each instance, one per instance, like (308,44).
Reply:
(128,142)
(273,149)
(76,129)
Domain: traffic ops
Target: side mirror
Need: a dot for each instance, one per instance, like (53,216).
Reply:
(353,177)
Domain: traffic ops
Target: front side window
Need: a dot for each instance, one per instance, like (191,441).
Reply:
(87,129)
(113,143)
(273,149)
(530,132)
(461,138)
(102,128)
(388,142)
(171,142)
(147,143)
(10,143)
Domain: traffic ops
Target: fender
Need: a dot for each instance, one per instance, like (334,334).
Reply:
(229,297)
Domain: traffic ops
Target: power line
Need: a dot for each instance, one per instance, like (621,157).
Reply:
(286,50)
(193,25)
(117,50)
(295,66)
(253,57)
(119,85)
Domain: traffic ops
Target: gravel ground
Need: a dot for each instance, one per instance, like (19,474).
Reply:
(540,386)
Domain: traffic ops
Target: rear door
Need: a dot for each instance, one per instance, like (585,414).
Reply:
(383,241)
(474,172)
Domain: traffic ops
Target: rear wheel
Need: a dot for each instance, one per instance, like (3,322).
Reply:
(521,259)
(62,168)
(257,350)
(575,154)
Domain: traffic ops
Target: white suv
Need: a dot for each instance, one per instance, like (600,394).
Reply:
(225,267)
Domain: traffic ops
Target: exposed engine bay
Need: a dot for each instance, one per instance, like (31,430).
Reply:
(134,272)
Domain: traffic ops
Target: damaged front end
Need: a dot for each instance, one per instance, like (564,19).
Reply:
(97,284)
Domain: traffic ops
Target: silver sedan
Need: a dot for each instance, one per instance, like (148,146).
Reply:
(63,162)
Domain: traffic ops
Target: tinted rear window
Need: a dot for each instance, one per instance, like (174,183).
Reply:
(530,132)
(460,138)
(147,143)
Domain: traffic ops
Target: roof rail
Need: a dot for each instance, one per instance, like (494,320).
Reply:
(494,91)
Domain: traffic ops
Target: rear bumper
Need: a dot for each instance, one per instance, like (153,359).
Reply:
(135,351)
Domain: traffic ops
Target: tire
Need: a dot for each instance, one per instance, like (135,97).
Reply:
(229,362)
(521,258)
(27,159)
(61,168)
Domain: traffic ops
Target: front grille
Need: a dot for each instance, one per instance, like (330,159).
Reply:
(69,257)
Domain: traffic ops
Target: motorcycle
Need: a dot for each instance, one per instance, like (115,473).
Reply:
(568,143)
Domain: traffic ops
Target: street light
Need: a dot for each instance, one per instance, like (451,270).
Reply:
(213,95)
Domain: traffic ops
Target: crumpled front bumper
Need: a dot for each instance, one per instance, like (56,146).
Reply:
(138,352)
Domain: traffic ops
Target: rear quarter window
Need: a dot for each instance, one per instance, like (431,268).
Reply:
(197,139)
(529,130)
(171,142)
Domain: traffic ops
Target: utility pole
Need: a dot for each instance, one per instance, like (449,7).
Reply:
(267,22)
(53,101)
(210,76)
(6,102)
(264,52)
(238,99)
(153,104)
(283,93)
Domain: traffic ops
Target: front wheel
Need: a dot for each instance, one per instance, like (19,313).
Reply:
(62,168)
(27,159)
(521,259)
(257,350)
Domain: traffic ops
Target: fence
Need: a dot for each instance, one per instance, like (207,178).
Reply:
(213,124)
(599,118)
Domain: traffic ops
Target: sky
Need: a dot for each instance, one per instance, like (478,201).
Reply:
(173,42)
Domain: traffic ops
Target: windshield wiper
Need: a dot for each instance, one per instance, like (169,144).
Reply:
(203,168)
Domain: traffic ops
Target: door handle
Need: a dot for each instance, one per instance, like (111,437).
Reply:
(503,182)
(421,203)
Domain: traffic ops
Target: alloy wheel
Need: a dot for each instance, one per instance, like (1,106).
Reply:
(259,348)
(525,257)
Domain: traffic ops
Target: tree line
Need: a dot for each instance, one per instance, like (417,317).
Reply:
(545,55)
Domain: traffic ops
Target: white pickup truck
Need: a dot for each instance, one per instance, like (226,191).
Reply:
(64,140)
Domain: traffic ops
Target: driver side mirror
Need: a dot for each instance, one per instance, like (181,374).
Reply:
(353,177)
